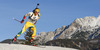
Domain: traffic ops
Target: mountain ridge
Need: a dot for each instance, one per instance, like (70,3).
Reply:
(87,25)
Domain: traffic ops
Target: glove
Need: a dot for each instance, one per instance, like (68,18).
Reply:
(21,21)
(35,23)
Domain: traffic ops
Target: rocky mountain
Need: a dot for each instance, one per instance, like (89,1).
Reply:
(80,44)
(84,28)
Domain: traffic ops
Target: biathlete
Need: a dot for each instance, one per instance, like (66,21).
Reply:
(33,17)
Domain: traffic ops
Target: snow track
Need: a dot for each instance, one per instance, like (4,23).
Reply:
(26,47)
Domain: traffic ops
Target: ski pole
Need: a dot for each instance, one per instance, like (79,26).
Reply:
(16,20)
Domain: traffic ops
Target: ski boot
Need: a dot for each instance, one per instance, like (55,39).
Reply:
(12,41)
(31,42)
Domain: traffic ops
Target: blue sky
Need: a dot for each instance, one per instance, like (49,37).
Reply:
(54,14)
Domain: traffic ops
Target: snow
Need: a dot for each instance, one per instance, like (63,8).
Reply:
(26,47)
(98,20)
(87,21)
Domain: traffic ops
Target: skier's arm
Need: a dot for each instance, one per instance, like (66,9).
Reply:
(39,16)
(23,18)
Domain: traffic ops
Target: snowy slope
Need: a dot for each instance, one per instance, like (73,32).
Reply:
(26,47)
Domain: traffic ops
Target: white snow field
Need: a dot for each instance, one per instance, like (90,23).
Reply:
(4,46)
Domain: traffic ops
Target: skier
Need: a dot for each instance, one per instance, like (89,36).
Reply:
(33,17)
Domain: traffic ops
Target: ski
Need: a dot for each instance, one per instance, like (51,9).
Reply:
(11,42)
(38,46)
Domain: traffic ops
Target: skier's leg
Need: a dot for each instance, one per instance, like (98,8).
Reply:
(33,28)
(22,31)
(34,32)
